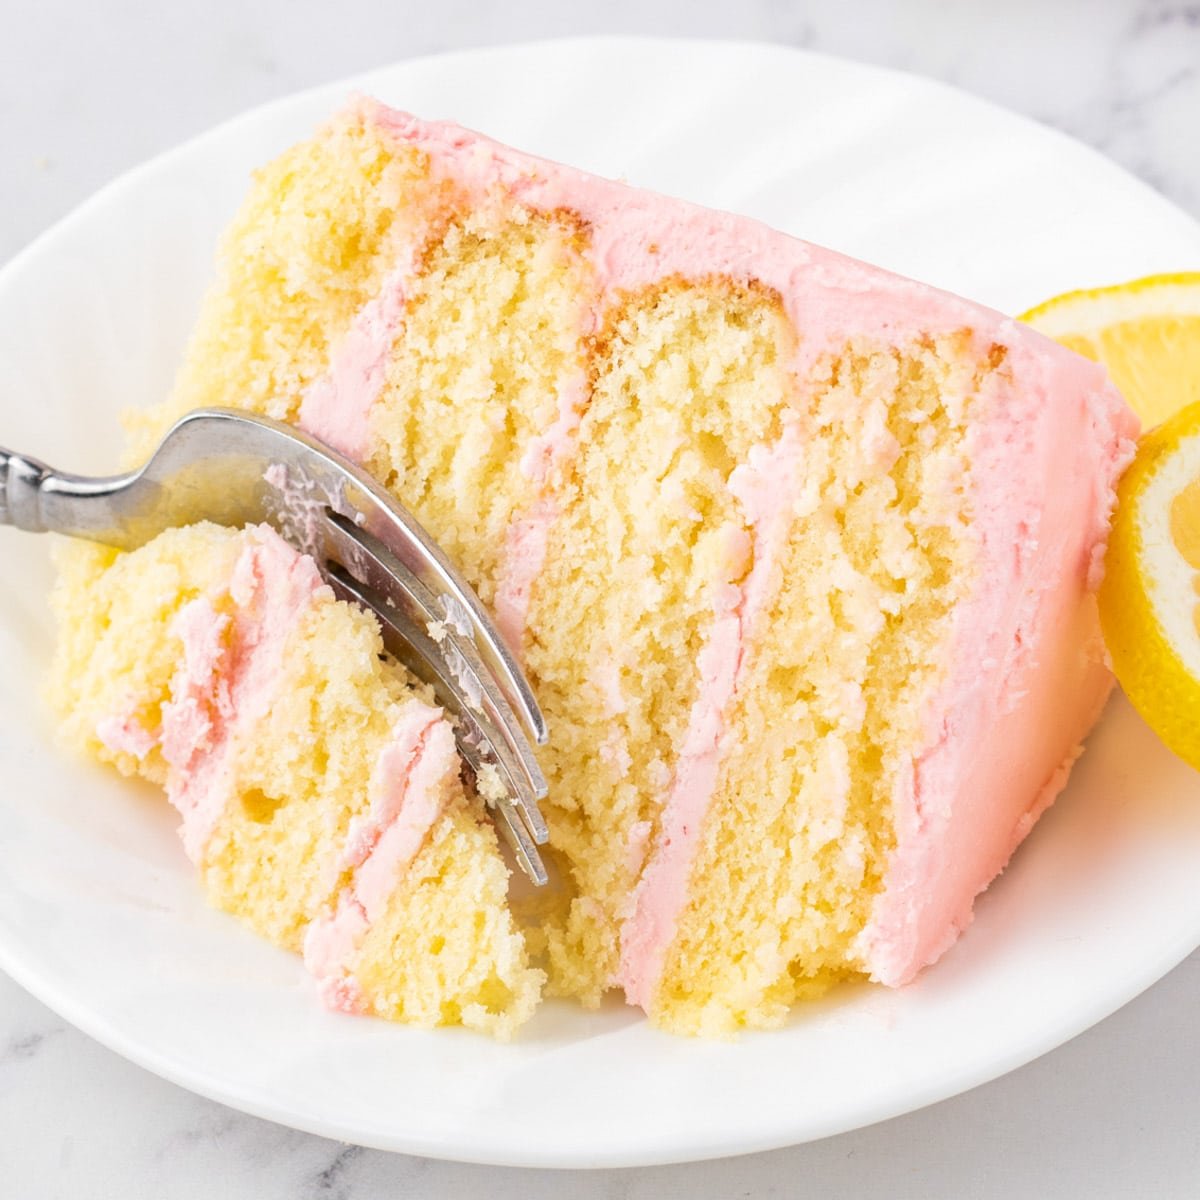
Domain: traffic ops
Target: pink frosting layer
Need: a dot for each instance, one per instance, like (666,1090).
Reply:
(407,794)
(525,549)
(337,407)
(529,534)
(1027,673)
(125,734)
(1041,679)
(231,662)
(765,488)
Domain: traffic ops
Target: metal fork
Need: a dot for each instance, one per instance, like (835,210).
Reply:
(232,468)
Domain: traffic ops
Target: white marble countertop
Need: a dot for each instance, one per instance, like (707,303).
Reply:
(88,90)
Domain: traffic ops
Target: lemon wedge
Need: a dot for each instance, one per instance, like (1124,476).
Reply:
(1150,597)
(1146,333)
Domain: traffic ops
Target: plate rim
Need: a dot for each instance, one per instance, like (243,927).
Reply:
(775,1138)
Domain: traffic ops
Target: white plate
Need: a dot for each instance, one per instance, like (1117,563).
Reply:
(99,915)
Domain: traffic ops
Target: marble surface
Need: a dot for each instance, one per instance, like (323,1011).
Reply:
(88,90)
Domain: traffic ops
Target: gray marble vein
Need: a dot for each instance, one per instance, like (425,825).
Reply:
(87,91)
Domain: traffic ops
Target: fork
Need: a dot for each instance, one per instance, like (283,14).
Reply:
(230,467)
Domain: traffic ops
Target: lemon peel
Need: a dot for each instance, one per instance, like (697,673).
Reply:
(1150,596)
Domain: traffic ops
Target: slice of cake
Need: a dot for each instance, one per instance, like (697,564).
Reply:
(799,555)
(319,790)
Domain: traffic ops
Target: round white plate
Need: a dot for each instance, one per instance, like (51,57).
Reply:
(99,914)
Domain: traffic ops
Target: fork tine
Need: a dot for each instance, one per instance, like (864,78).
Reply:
(517,837)
(471,729)
(511,818)
(393,531)
(371,563)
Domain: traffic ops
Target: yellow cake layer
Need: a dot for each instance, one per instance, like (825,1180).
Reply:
(492,335)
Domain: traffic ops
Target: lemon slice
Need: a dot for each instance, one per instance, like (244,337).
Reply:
(1146,333)
(1150,597)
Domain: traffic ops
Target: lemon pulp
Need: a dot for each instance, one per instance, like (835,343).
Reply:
(1145,332)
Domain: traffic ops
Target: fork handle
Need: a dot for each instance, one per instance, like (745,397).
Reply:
(21,482)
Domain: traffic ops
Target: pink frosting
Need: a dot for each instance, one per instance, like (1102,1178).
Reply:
(125,734)
(529,534)
(765,487)
(555,447)
(337,406)
(524,553)
(231,661)
(407,794)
